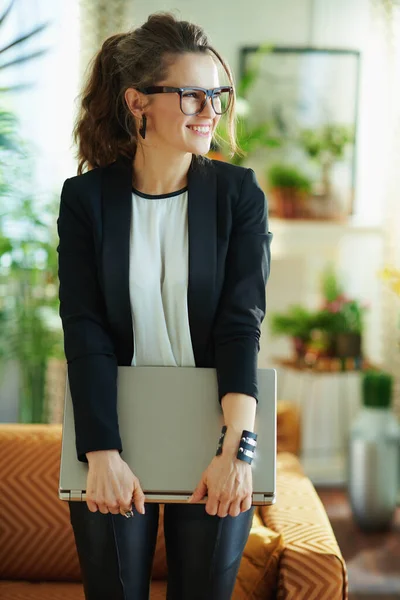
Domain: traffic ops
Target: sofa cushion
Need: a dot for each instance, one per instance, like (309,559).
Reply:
(23,590)
(258,569)
(311,565)
(288,427)
(36,538)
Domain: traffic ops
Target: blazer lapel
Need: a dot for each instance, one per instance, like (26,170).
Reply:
(202,260)
(202,233)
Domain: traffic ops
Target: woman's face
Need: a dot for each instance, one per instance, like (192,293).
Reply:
(167,125)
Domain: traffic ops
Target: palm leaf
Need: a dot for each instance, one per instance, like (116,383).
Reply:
(23,59)
(6,13)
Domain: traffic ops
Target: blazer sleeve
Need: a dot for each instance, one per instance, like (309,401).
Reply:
(92,363)
(242,305)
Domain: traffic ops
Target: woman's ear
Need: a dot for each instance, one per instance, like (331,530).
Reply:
(134,101)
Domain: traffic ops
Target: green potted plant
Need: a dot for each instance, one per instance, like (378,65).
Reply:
(30,331)
(377,388)
(20,325)
(326,145)
(374,454)
(290,189)
(342,317)
(298,323)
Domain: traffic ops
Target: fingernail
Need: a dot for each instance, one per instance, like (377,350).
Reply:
(143,510)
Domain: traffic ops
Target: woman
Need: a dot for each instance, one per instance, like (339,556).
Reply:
(163,259)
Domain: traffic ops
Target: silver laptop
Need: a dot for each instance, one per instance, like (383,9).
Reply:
(170,422)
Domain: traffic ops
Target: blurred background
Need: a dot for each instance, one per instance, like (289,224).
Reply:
(318,92)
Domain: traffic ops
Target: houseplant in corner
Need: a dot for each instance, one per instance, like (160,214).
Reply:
(373,473)
(30,331)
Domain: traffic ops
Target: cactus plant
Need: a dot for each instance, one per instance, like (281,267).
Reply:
(377,389)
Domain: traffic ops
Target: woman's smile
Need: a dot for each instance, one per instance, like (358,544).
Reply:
(201,130)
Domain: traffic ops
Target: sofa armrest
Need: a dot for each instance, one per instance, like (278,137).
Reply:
(288,427)
(311,565)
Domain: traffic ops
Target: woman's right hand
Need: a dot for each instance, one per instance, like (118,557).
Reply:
(111,485)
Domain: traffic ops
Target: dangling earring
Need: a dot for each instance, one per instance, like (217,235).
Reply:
(142,130)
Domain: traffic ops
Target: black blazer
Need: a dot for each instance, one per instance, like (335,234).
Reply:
(229,264)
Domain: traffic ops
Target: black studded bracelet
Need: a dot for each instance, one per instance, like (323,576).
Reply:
(247,446)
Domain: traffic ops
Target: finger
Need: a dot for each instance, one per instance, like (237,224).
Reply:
(212,505)
(223,509)
(224,503)
(246,503)
(92,506)
(139,500)
(234,509)
(125,504)
(113,507)
(199,492)
(102,507)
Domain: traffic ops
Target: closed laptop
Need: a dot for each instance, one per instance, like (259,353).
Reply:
(170,422)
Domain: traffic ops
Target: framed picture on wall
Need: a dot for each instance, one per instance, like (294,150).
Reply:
(308,99)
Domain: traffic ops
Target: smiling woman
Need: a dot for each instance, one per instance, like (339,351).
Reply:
(150,79)
(164,256)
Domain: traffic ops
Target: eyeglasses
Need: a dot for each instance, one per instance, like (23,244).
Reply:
(193,99)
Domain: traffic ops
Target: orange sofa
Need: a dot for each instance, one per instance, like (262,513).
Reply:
(38,558)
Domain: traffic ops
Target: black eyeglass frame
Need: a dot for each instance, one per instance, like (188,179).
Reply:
(163,89)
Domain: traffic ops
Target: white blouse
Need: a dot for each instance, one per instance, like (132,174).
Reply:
(158,280)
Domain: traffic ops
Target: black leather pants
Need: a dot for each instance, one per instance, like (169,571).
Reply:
(116,554)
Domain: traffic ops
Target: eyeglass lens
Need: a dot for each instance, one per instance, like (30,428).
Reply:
(193,101)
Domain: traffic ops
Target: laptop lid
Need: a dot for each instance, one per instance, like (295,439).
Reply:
(170,422)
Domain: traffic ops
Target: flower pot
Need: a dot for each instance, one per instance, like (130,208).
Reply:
(373,468)
(290,203)
(348,345)
(300,347)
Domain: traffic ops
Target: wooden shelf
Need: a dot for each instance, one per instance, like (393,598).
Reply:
(296,237)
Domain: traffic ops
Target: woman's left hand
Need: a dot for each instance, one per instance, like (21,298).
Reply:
(228,483)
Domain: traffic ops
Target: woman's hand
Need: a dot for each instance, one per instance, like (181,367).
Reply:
(111,485)
(228,483)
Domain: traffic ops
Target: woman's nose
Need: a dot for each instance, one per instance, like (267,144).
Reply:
(208,109)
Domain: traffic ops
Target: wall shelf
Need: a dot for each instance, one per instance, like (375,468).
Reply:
(301,237)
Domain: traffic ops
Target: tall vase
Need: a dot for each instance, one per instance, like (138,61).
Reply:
(374,452)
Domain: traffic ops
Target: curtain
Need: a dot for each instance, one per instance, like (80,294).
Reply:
(386,20)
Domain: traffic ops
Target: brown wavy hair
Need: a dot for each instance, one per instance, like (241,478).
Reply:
(105,127)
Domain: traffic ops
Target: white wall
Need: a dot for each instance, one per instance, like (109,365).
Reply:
(231,25)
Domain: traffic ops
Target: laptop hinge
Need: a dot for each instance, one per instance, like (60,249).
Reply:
(75,495)
(259,497)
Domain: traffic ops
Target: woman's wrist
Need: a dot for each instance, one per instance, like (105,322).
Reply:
(101,454)
(239,444)
(231,441)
